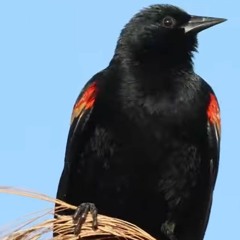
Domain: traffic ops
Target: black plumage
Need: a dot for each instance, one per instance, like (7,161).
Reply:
(144,138)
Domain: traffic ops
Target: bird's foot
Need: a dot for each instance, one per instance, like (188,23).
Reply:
(168,230)
(80,215)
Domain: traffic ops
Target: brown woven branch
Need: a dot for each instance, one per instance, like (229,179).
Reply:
(40,225)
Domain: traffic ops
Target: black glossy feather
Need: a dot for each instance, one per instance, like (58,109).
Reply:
(146,150)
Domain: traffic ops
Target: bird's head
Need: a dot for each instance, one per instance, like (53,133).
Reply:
(162,33)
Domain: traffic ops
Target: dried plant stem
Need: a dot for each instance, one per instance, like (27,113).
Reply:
(38,227)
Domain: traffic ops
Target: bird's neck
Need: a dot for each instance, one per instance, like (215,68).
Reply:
(155,74)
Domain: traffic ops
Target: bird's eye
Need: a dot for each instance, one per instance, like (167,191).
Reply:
(168,22)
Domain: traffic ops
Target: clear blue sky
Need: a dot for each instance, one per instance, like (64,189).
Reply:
(49,49)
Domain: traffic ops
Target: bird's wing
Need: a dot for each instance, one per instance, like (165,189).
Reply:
(214,135)
(82,110)
(81,114)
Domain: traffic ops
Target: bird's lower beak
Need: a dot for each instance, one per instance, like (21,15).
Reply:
(197,23)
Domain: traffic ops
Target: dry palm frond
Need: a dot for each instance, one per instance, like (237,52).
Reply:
(40,225)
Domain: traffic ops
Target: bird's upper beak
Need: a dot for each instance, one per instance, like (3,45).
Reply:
(197,23)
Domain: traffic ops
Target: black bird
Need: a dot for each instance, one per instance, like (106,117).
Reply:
(144,139)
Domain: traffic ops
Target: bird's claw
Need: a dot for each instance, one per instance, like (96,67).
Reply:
(80,215)
(168,230)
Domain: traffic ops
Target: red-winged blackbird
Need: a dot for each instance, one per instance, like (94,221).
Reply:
(144,139)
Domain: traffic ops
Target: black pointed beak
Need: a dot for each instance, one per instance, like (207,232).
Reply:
(197,24)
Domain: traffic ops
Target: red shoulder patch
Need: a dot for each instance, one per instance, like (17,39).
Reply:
(85,102)
(213,112)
